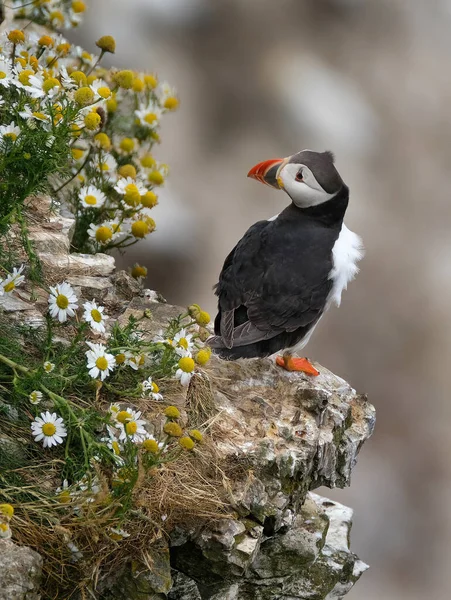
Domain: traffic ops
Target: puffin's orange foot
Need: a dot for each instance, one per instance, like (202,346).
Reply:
(297,364)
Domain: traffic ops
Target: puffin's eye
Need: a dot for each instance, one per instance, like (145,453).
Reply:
(299,175)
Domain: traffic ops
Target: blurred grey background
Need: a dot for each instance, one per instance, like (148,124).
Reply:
(370,80)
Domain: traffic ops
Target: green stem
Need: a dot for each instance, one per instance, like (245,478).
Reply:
(13,364)
(63,185)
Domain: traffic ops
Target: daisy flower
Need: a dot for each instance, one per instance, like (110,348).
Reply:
(6,73)
(186,368)
(150,388)
(169,99)
(49,428)
(100,89)
(102,233)
(100,362)
(48,366)
(132,428)
(117,534)
(35,397)
(149,115)
(10,131)
(182,342)
(63,492)
(152,445)
(136,361)
(94,316)
(32,116)
(62,301)
(131,190)
(107,164)
(13,280)
(91,197)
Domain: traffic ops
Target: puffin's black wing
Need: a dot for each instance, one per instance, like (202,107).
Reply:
(275,280)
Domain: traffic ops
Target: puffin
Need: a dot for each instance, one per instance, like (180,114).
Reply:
(286,271)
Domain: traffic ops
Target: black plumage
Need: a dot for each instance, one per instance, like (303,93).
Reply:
(274,285)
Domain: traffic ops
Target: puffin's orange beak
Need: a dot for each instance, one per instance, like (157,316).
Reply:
(266,172)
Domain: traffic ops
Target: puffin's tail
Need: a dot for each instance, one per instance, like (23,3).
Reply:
(216,343)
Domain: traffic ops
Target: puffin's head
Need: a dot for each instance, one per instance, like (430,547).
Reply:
(308,177)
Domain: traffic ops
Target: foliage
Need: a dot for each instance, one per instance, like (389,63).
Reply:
(80,131)
(88,430)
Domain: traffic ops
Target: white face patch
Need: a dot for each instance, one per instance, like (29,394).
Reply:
(307,192)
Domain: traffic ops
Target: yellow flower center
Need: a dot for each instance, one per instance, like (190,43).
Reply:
(2,75)
(86,56)
(186,364)
(104,91)
(77,153)
(92,200)
(12,136)
(150,118)
(186,443)
(202,357)
(49,84)
(111,105)
(57,15)
(92,121)
(139,271)
(103,234)
(151,81)
(7,510)
(127,144)
(63,48)
(139,229)
(132,196)
(156,178)
(124,79)
(155,388)
(45,40)
(78,6)
(123,415)
(171,103)
(24,76)
(102,363)
(9,286)
(151,446)
(40,116)
(96,315)
(183,342)
(128,171)
(62,301)
(79,77)
(116,537)
(107,43)
(84,96)
(103,140)
(116,448)
(148,161)
(16,36)
(138,85)
(131,427)
(149,199)
(48,429)
(64,497)
(120,358)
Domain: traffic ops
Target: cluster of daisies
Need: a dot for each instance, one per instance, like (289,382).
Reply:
(59,13)
(106,120)
(185,345)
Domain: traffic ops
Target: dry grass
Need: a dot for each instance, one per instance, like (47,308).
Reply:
(186,493)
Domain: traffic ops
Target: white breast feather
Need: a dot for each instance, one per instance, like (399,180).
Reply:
(347,251)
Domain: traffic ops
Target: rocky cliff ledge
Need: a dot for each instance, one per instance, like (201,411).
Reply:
(280,435)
